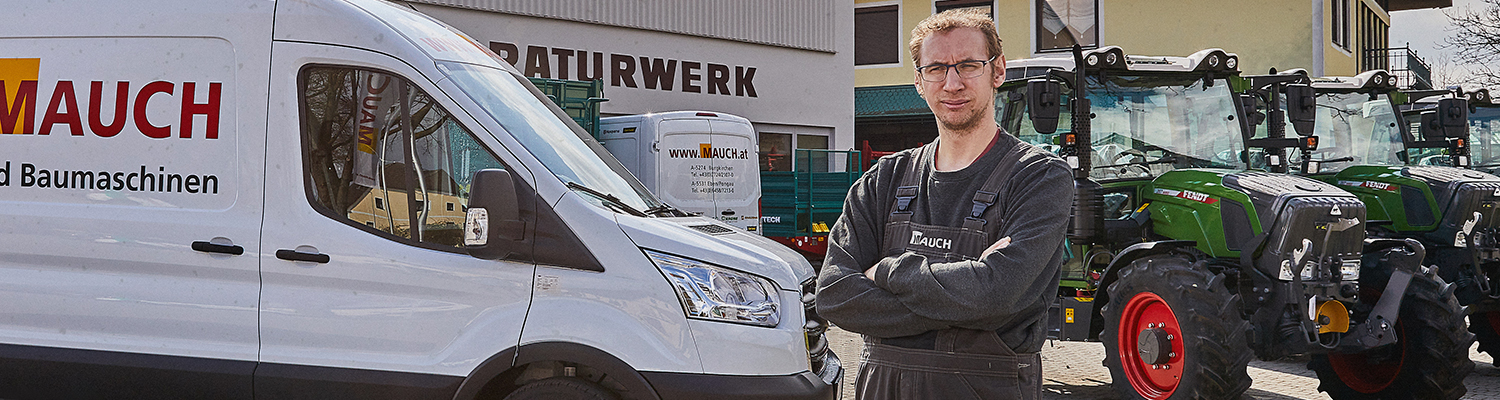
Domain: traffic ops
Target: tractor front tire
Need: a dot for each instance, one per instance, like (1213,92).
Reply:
(1173,331)
(1429,360)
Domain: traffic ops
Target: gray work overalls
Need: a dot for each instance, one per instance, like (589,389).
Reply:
(964,363)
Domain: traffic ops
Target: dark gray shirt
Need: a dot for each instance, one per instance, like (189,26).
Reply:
(1008,291)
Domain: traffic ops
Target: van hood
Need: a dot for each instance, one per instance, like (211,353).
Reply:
(715,242)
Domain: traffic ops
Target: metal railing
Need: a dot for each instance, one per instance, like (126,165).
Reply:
(1411,71)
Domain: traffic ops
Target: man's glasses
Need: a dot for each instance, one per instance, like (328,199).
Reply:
(937,72)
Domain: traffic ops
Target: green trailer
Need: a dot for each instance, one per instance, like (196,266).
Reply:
(799,206)
(580,99)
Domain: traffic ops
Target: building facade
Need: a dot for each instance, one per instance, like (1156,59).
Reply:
(782,64)
(1326,37)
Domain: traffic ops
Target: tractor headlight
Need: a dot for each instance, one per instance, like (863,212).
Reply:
(1349,270)
(716,293)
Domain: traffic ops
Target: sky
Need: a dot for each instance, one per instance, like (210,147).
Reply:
(1425,30)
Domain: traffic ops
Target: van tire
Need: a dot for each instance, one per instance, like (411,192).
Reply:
(561,388)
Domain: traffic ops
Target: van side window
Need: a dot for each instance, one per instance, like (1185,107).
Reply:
(364,168)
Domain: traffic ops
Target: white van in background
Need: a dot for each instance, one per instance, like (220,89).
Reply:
(325,199)
(702,162)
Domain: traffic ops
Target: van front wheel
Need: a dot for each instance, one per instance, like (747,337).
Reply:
(561,388)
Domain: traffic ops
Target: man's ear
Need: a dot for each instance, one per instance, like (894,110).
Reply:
(999,66)
(916,81)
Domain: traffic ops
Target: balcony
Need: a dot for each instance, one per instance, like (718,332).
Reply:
(1411,71)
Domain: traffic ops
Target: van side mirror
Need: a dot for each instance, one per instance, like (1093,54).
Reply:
(1453,117)
(1043,99)
(493,228)
(1301,107)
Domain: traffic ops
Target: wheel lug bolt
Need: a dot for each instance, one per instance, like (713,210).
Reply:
(1169,336)
(1171,355)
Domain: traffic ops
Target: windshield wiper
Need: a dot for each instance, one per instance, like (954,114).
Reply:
(1334,160)
(609,199)
(1163,160)
(665,208)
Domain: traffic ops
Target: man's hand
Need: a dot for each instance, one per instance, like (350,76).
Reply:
(999,244)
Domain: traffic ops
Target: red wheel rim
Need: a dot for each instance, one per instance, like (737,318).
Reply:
(1366,376)
(1494,317)
(1148,311)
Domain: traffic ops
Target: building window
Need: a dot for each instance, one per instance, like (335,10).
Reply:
(775,151)
(1340,23)
(945,5)
(816,161)
(1060,24)
(1374,40)
(877,35)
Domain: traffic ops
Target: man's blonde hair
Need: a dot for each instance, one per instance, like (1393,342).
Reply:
(975,18)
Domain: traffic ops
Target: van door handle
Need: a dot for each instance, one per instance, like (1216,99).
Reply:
(293,255)
(210,247)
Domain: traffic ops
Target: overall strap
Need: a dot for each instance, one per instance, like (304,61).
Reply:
(988,194)
(906,188)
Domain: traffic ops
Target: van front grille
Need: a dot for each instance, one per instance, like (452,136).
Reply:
(711,229)
(815,327)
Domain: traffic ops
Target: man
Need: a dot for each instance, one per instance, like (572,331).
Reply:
(947,256)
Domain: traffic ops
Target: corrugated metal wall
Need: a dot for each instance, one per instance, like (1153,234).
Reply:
(801,24)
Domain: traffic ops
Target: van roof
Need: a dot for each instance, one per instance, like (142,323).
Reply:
(361,24)
(715,115)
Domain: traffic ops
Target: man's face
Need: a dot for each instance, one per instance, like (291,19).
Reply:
(960,103)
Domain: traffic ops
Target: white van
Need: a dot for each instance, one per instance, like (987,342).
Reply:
(347,199)
(703,162)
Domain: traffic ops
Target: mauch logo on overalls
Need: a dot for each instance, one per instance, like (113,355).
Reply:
(936,243)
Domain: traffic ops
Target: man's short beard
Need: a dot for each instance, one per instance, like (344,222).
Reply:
(963,126)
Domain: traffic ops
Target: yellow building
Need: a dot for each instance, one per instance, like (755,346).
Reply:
(1326,37)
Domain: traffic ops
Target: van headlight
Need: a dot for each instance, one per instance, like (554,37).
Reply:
(716,293)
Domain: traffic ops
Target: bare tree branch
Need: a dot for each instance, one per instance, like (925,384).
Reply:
(1475,34)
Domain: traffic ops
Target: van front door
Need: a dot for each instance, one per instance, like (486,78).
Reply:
(368,292)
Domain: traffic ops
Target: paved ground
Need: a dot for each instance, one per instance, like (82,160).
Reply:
(1073,370)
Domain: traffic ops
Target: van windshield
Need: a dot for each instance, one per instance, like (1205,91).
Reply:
(527,118)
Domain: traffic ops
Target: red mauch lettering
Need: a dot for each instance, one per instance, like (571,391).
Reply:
(63,109)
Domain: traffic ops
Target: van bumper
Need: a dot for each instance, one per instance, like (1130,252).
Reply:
(824,385)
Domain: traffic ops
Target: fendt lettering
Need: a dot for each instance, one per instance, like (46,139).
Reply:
(18,109)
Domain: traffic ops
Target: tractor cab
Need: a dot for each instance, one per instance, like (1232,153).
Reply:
(1194,249)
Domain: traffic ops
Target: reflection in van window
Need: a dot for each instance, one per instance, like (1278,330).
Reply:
(360,158)
(544,134)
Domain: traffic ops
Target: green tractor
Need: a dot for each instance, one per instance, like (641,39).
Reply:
(1465,248)
(1365,147)
(1185,262)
